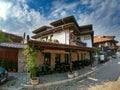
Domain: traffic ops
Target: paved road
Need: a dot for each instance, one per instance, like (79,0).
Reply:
(109,72)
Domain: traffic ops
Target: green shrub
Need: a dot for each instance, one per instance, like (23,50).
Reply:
(31,63)
(8,64)
(3,64)
(14,64)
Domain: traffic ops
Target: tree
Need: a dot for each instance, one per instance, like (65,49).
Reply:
(31,63)
(3,38)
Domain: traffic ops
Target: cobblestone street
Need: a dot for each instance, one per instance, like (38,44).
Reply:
(16,80)
(106,72)
(109,72)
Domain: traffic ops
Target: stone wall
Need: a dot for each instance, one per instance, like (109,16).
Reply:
(40,57)
(21,61)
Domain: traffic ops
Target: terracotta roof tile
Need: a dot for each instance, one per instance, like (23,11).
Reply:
(101,39)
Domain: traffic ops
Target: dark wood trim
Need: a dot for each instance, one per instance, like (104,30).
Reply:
(54,46)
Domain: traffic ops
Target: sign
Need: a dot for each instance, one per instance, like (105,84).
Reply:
(102,57)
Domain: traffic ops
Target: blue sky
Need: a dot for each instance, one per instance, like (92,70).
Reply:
(19,16)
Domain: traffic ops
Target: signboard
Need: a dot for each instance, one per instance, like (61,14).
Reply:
(102,58)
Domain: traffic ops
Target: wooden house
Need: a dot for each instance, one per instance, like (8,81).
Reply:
(107,44)
(12,54)
(64,44)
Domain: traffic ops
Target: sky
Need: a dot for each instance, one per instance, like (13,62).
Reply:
(19,16)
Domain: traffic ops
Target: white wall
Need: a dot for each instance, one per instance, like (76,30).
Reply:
(62,37)
(87,39)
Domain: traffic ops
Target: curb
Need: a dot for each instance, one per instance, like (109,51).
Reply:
(62,82)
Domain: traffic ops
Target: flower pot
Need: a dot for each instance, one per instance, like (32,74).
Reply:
(14,70)
(93,68)
(35,81)
(9,70)
(75,73)
(70,75)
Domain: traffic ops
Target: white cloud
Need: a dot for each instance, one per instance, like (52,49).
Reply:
(60,8)
(4,7)
(19,18)
(104,17)
(63,13)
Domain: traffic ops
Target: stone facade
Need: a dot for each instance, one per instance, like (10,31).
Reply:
(74,57)
(21,61)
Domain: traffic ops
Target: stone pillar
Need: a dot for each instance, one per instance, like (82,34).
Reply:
(40,58)
(21,61)
(52,61)
(62,58)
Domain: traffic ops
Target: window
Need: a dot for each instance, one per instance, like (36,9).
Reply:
(81,56)
(66,58)
(47,58)
(84,55)
(57,58)
(78,56)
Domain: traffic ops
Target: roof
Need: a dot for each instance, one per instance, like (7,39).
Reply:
(52,30)
(86,26)
(13,45)
(64,21)
(111,37)
(48,45)
(103,39)
(60,25)
(85,33)
(13,37)
(43,28)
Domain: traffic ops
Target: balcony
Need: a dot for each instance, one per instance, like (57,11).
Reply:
(112,47)
(77,42)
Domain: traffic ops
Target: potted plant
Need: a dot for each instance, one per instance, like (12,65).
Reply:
(3,64)
(49,40)
(31,64)
(34,79)
(14,66)
(9,66)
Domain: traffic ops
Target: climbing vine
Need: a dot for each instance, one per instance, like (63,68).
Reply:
(31,63)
